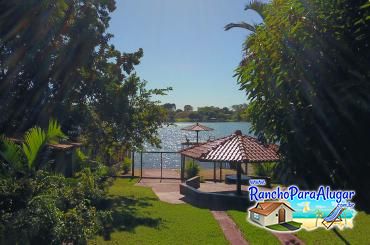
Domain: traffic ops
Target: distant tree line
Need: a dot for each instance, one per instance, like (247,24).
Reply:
(206,114)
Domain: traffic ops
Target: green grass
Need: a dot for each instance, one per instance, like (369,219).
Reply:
(140,218)
(252,233)
(360,234)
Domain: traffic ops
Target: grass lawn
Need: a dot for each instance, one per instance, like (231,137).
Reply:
(252,233)
(360,234)
(140,218)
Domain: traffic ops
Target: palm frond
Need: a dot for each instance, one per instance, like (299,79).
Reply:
(257,6)
(243,25)
(54,131)
(34,141)
(10,152)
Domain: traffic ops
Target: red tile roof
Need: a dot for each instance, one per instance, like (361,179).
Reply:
(233,148)
(266,208)
(197,127)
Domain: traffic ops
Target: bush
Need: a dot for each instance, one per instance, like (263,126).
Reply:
(191,169)
(266,169)
(126,166)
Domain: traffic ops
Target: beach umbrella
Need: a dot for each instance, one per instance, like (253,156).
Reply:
(236,148)
(197,128)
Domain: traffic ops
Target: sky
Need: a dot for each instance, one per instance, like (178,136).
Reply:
(185,47)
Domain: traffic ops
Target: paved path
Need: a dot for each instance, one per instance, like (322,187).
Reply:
(230,229)
(289,226)
(288,239)
(167,190)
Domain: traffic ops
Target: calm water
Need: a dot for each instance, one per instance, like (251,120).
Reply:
(172,136)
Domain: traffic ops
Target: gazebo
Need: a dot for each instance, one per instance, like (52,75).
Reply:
(197,128)
(236,148)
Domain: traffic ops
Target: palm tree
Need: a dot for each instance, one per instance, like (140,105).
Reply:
(319,214)
(35,140)
(258,6)
(254,5)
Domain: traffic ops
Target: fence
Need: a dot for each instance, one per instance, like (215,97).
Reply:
(155,170)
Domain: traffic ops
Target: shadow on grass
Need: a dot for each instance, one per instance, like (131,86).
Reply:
(340,236)
(125,215)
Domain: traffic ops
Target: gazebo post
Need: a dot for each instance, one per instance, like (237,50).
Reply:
(220,171)
(197,137)
(214,171)
(238,179)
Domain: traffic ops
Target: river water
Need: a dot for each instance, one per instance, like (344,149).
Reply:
(172,136)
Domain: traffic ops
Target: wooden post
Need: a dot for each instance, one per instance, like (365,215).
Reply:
(197,136)
(214,171)
(141,164)
(238,179)
(220,171)
(133,164)
(246,169)
(161,166)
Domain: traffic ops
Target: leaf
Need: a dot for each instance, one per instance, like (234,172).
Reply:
(34,140)
(10,152)
(54,132)
(257,6)
(243,25)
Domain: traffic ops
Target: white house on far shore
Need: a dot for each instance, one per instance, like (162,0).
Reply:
(271,213)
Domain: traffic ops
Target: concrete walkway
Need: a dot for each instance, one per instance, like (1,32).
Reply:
(288,239)
(167,190)
(229,228)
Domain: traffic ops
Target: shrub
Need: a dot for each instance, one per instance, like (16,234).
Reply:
(266,169)
(191,169)
(126,166)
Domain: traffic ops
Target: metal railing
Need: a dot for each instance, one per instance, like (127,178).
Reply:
(141,162)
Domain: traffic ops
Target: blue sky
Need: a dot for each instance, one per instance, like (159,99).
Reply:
(185,46)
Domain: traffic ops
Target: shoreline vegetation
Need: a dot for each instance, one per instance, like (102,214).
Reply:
(235,113)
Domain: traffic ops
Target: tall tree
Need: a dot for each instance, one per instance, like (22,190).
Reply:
(56,61)
(307,78)
(188,108)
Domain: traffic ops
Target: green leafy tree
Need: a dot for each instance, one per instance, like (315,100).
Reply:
(307,77)
(61,65)
(188,108)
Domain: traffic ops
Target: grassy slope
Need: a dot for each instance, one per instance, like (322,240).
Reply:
(360,234)
(254,234)
(140,218)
